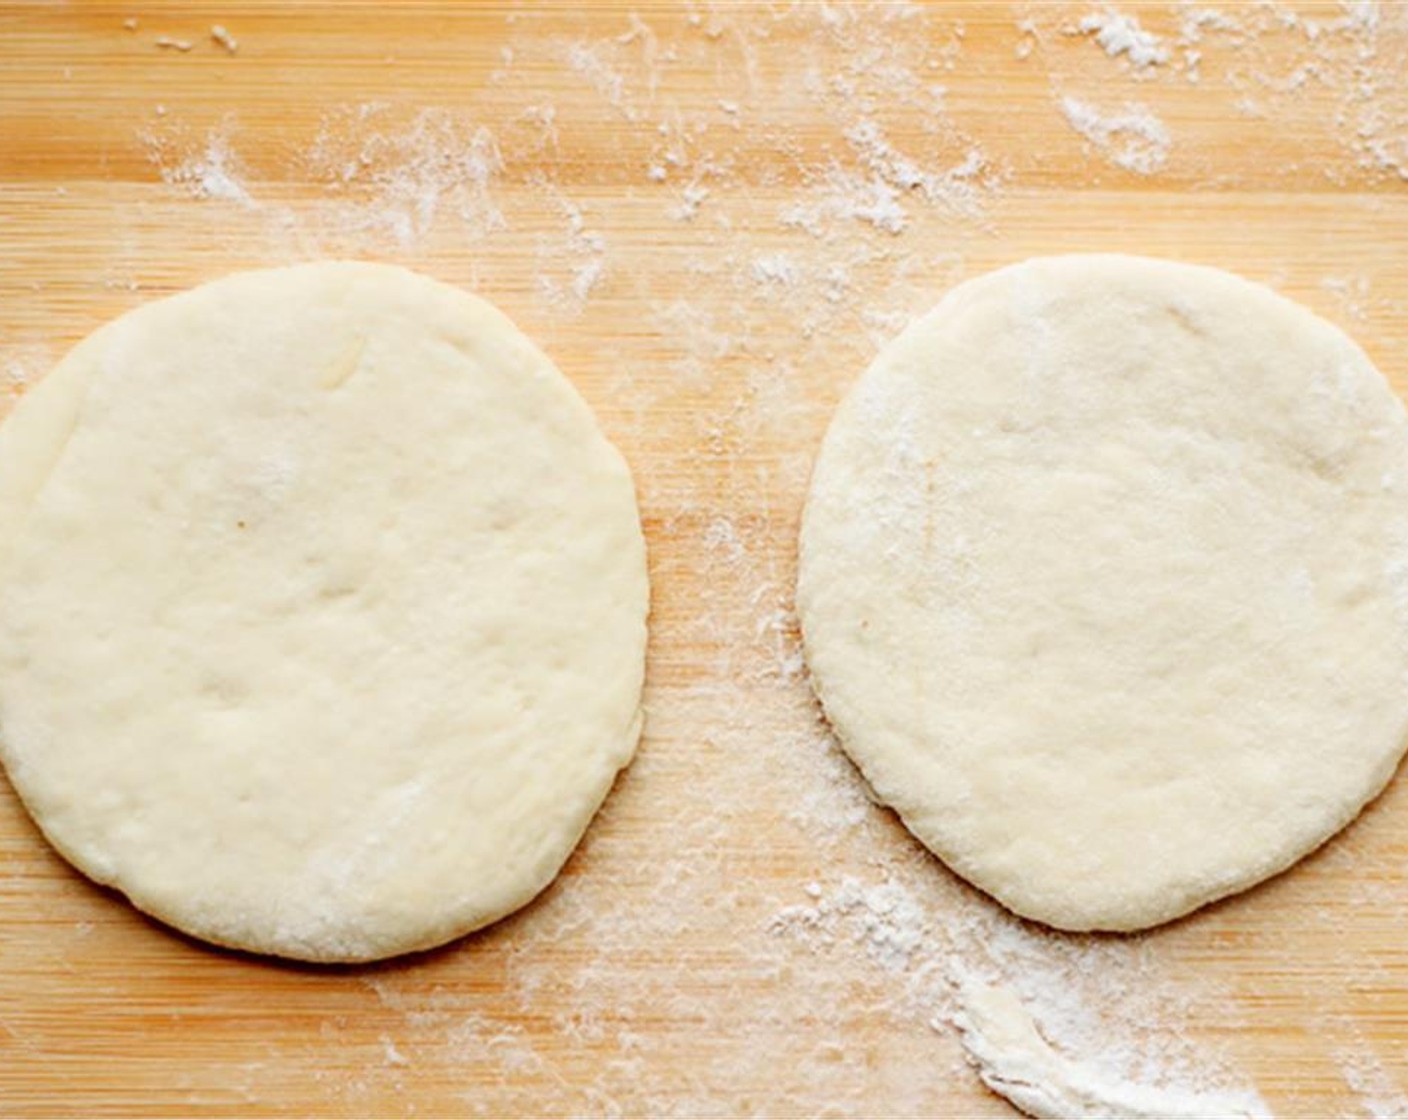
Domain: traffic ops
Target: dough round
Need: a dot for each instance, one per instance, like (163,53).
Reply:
(322,611)
(1104,585)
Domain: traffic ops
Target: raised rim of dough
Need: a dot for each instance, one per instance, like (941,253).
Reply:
(323,611)
(1103,584)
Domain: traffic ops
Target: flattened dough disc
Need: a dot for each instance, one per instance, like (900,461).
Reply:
(322,611)
(1104,584)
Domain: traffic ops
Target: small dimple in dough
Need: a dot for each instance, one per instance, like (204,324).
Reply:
(1104,584)
(322,611)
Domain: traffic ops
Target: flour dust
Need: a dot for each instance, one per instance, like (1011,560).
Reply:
(821,175)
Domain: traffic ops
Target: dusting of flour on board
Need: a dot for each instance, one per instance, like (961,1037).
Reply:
(209,170)
(1131,137)
(1120,34)
(1014,1060)
(1114,1008)
(756,308)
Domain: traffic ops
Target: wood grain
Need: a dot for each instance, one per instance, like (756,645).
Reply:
(657,976)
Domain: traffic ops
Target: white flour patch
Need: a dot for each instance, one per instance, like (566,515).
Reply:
(1120,34)
(1195,22)
(1027,38)
(211,171)
(388,179)
(570,268)
(1388,154)
(884,918)
(960,187)
(692,196)
(588,62)
(1016,1062)
(1131,137)
(1353,294)
(696,335)
(391,1054)
(775,268)
(1379,1095)
(848,196)
(21,365)
(403,177)
(1061,1026)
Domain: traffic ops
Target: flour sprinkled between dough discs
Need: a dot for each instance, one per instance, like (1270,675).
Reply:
(322,611)
(1104,584)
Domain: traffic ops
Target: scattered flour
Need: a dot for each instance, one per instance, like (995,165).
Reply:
(210,172)
(1352,293)
(1007,990)
(1194,22)
(1120,34)
(692,196)
(582,251)
(1016,1062)
(844,195)
(888,922)
(1131,137)
(392,1054)
(775,268)
(746,343)
(1379,1096)
(21,364)
(958,188)
(595,63)
(403,176)
(1389,154)
(702,343)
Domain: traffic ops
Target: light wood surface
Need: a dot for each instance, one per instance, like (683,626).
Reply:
(677,203)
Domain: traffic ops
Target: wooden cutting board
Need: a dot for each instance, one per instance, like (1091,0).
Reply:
(711,216)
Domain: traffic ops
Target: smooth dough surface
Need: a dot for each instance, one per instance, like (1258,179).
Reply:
(1104,584)
(322,611)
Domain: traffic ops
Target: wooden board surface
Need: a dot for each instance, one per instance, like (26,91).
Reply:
(710,216)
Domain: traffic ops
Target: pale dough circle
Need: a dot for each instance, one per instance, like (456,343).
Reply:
(322,611)
(1104,584)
